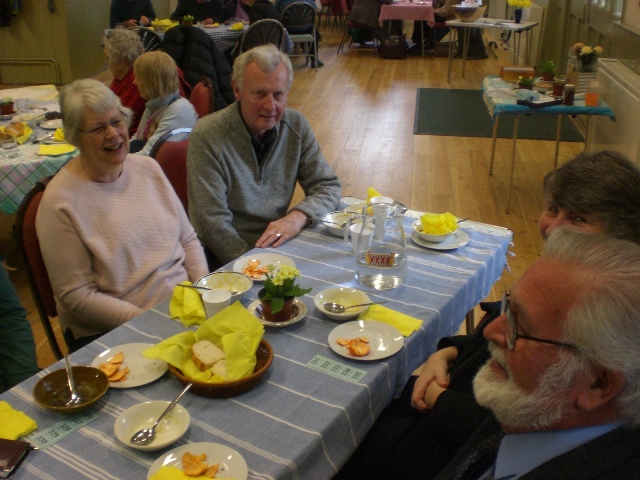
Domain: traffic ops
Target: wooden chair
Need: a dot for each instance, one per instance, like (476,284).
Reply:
(172,157)
(301,17)
(29,248)
(202,97)
(262,32)
(150,39)
(347,35)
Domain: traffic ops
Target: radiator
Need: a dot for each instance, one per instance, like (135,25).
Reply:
(498,9)
(620,88)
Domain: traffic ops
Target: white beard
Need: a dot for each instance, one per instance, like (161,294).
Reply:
(515,408)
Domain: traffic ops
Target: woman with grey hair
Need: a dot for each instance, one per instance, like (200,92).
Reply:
(114,236)
(121,48)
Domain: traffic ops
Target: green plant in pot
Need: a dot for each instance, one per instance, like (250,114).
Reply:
(6,106)
(525,82)
(278,293)
(548,70)
(187,20)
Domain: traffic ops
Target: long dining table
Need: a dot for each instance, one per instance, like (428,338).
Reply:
(313,407)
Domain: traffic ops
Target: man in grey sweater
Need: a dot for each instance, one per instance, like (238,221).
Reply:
(244,161)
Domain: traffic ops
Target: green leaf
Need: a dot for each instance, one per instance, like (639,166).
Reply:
(277,304)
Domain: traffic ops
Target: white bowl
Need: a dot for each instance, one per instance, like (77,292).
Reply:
(355,208)
(468,13)
(417,227)
(343,296)
(330,220)
(144,415)
(236,283)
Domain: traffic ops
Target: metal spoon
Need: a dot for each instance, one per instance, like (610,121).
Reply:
(75,398)
(337,308)
(193,286)
(146,435)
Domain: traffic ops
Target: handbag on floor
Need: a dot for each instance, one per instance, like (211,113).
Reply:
(394,47)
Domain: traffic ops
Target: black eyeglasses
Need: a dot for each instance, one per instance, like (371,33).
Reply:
(512,329)
(117,123)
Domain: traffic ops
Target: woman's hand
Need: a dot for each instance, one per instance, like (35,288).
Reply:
(425,390)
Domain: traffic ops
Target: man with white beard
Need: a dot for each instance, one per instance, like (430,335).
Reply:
(563,381)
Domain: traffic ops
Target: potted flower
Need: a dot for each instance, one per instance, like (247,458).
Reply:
(525,82)
(548,70)
(518,5)
(587,57)
(6,106)
(278,293)
(187,20)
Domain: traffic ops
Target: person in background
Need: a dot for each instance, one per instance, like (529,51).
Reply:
(367,12)
(114,236)
(205,11)
(238,9)
(157,79)
(281,5)
(261,9)
(562,382)
(131,13)
(243,164)
(593,192)
(17,348)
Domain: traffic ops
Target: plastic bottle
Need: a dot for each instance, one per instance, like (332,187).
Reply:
(592,97)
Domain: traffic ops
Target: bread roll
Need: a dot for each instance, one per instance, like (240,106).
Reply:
(220,368)
(205,354)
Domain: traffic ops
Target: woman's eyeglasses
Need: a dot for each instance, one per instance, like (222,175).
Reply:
(512,329)
(117,123)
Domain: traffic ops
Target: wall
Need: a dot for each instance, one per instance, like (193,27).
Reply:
(70,36)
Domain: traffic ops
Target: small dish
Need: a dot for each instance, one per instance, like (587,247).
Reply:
(142,370)
(334,222)
(355,208)
(232,465)
(236,283)
(297,314)
(52,391)
(384,340)
(51,124)
(417,228)
(8,116)
(266,259)
(460,239)
(343,296)
(144,415)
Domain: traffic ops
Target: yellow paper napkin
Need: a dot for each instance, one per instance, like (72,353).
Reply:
(186,305)
(13,423)
(53,149)
(235,330)
(23,138)
(404,323)
(438,224)
(174,473)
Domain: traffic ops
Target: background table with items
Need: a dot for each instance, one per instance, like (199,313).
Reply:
(419,10)
(313,406)
(494,23)
(501,98)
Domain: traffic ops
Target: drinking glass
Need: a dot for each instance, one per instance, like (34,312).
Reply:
(9,146)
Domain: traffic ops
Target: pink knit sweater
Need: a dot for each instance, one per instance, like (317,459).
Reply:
(113,250)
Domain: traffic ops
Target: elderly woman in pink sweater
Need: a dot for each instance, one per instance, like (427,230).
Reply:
(114,235)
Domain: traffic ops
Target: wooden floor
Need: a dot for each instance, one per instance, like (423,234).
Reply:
(362,109)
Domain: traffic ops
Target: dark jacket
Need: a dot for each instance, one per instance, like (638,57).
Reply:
(200,11)
(123,10)
(262,9)
(198,57)
(229,9)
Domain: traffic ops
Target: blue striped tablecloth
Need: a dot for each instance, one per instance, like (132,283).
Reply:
(298,423)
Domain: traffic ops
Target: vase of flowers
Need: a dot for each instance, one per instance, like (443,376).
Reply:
(587,57)
(278,293)
(525,82)
(518,6)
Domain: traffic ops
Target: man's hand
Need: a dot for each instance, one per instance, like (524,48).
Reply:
(279,231)
(144,21)
(130,23)
(425,390)
(208,21)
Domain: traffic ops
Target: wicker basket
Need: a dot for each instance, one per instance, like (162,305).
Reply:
(264,357)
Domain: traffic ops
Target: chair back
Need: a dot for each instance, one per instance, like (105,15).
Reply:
(202,97)
(298,16)
(150,39)
(29,249)
(170,151)
(262,32)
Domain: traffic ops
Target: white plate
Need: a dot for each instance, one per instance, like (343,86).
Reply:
(457,240)
(142,370)
(384,340)
(351,200)
(144,415)
(343,296)
(52,124)
(8,117)
(232,465)
(266,259)
(297,314)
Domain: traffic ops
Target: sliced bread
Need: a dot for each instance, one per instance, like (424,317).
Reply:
(220,368)
(205,354)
